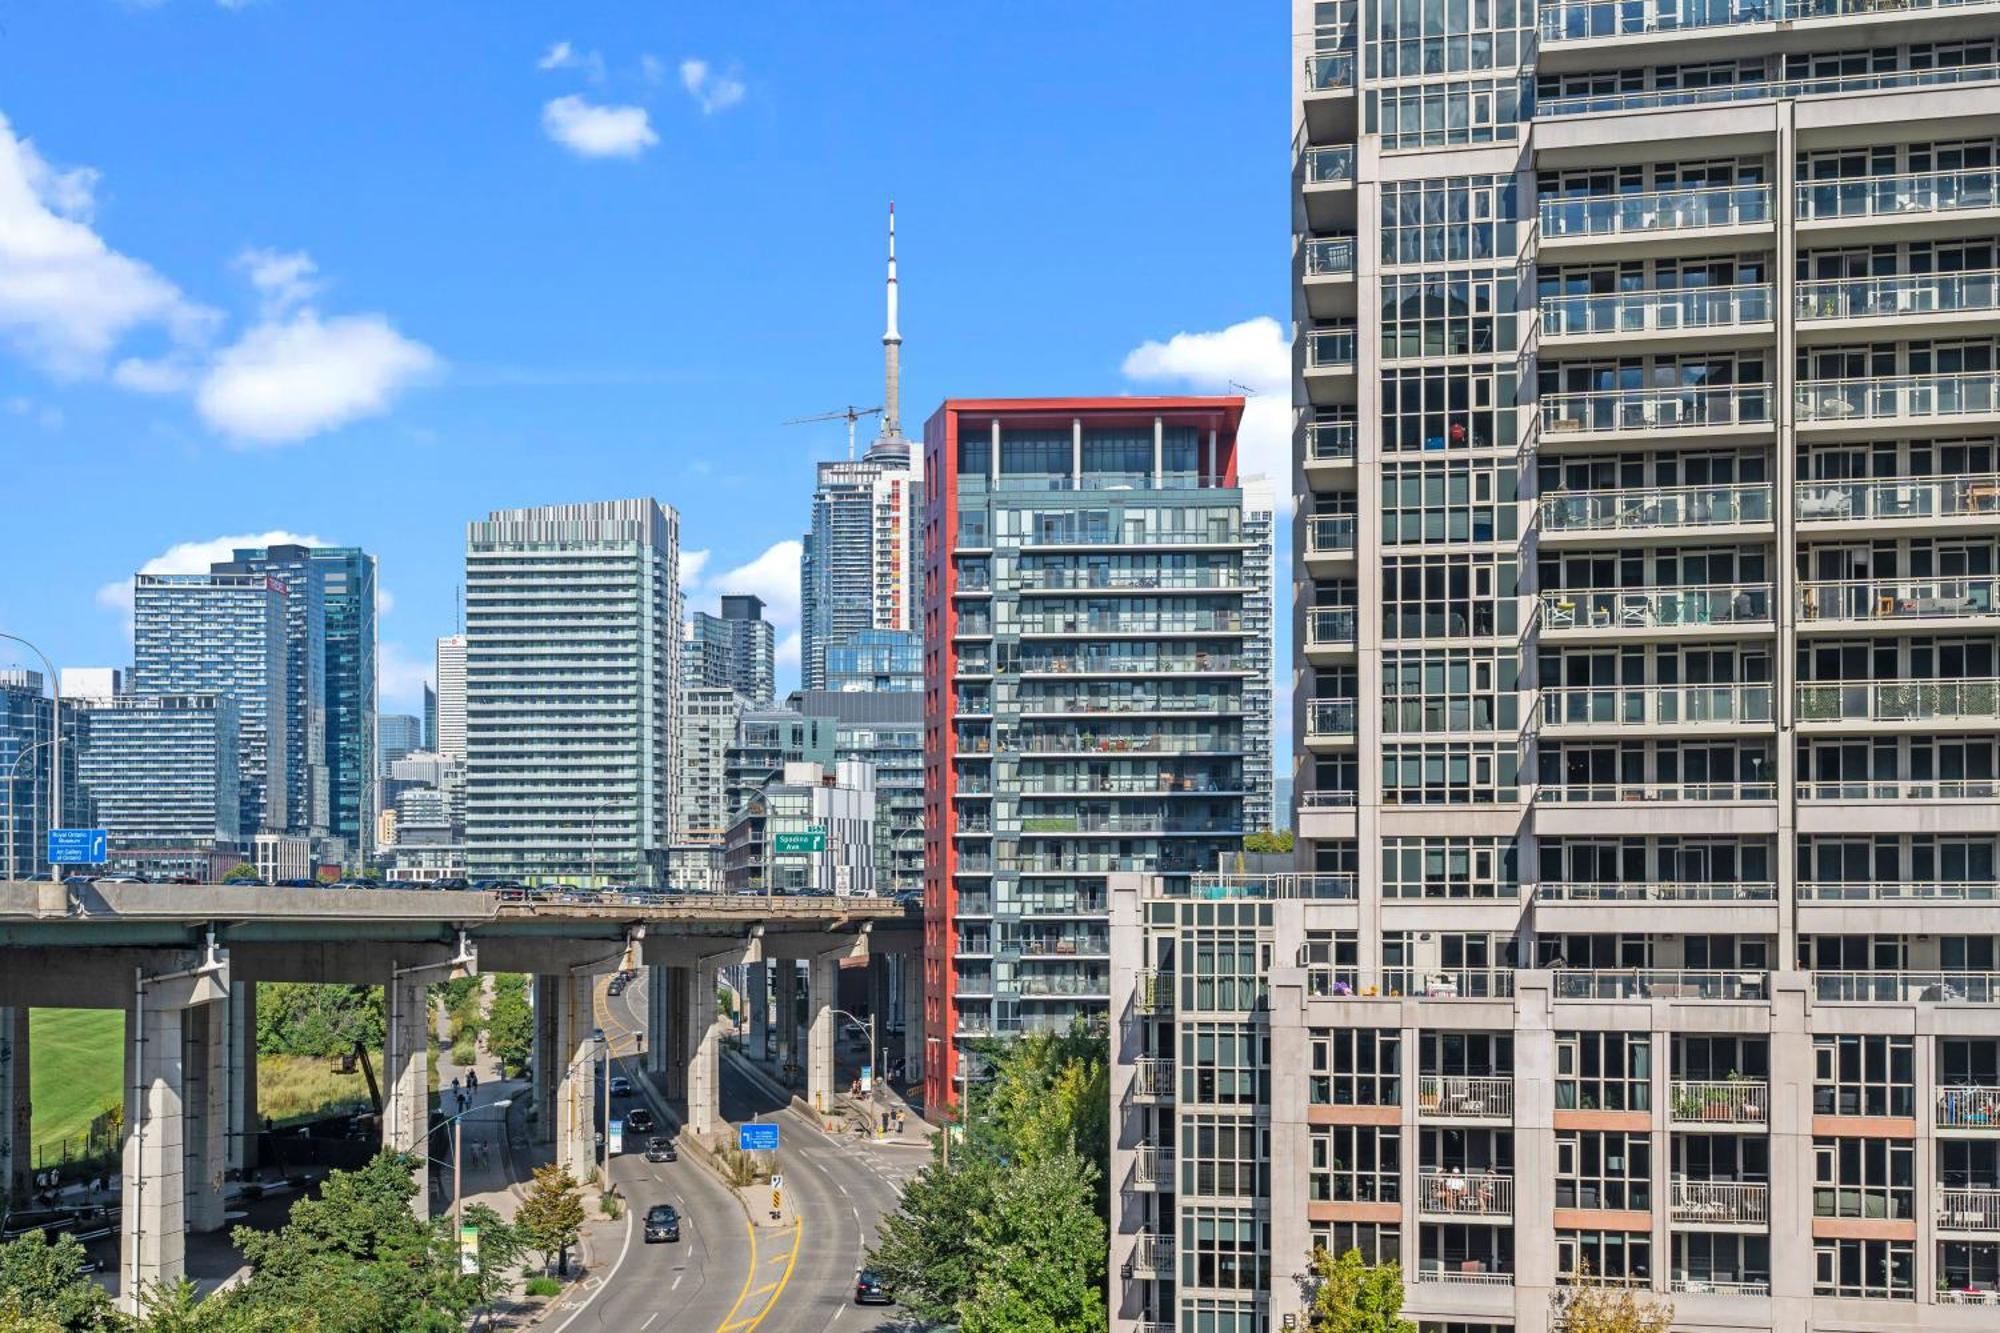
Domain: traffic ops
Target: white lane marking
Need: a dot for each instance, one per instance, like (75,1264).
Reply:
(655,1315)
(602,1284)
(842,1188)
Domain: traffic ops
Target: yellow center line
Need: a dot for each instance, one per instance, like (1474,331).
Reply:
(748,1277)
(750,1326)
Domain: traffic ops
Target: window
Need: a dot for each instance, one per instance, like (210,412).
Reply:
(1878,1269)
(1873,1178)
(1378,1242)
(1449,596)
(1722,1261)
(1222,1065)
(1355,1164)
(1614,1258)
(1450,773)
(1449,867)
(1468,313)
(1223,970)
(1450,689)
(1437,501)
(1604,1071)
(1331,959)
(1969,1266)
(1864,1075)
(1219,1248)
(1467,1054)
(1440,36)
(1470,111)
(1610,1169)
(1223,1157)
(1430,408)
(1356,1067)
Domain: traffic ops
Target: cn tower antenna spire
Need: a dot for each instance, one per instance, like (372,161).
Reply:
(892,350)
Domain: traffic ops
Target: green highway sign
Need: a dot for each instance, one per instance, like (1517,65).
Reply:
(809,840)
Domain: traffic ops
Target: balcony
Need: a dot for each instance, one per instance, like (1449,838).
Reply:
(1723,792)
(1890,603)
(1690,1285)
(1923,398)
(1728,1102)
(1897,300)
(1727,1203)
(1656,315)
(1898,197)
(1331,632)
(1566,222)
(1330,165)
(1062,946)
(1154,993)
(1969,1106)
(1330,442)
(1897,790)
(1898,891)
(1329,365)
(1470,1273)
(1152,1079)
(1971,500)
(1675,707)
(1330,721)
(1907,987)
(1763,90)
(1616,517)
(1153,1168)
(1693,891)
(1152,1255)
(1587,20)
(1330,72)
(1330,537)
(1658,984)
(1574,418)
(1899,702)
(1662,612)
(1458,1097)
(1465,1194)
(1329,257)
(1093,622)
(1968,1210)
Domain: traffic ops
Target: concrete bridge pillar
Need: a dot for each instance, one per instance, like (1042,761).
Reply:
(880,999)
(240,1070)
(406,1084)
(700,1053)
(911,977)
(823,992)
(671,1033)
(205,1111)
(17,1122)
(757,999)
(659,1004)
(787,976)
(579,1056)
(546,1061)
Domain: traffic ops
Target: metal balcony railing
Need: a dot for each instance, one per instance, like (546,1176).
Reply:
(1331,627)
(1152,1077)
(1583,20)
(1663,311)
(1465,1194)
(1154,993)
(1330,165)
(1685,891)
(1763,90)
(1898,700)
(1901,890)
(1672,407)
(1898,397)
(1960,496)
(1968,1106)
(1646,608)
(1691,1284)
(1459,1097)
(1330,349)
(1433,1270)
(1330,257)
(1897,599)
(1677,793)
(1727,1202)
(1727,1102)
(1330,534)
(1968,1210)
(1663,507)
(1656,705)
(1907,987)
(1330,717)
(1663,210)
(1899,195)
(1658,983)
(1898,297)
(1153,1167)
(1899,789)
(1330,441)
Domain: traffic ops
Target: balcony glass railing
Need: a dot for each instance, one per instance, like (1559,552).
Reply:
(1722,1202)
(1462,1097)
(1655,312)
(1671,793)
(1665,507)
(1330,349)
(1675,407)
(1330,717)
(1896,196)
(1726,1102)
(1967,495)
(1329,71)
(1137,580)
(1330,534)
(1899,700)
(1656,705)
(1651,983)
(1696,891)
(1333,165)
(1694,1284)
(1647,608)
(1330,441)
(1763,90)
(1152,1166)
(1133,622)
(1149,702)
(1898,397)
(1465,1194)
(1899,789)
(1323,886)
(1330,257)
(1331,627)
(1897,599)
(1898,297)
(1904,987)
(1664,210)
(1899,891)
(1582,20)
(1148,664)
(1968,1106)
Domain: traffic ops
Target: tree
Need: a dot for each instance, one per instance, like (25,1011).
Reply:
(510,1023)
(1275,841)
(551,1218)
(1583,1306)
(1041,1242)
(42,1288)
(1347,1295)
(500,1247)
(308,1018)
(242,870)
(922,1252)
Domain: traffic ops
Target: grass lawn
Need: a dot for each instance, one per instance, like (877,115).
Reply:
(76,1069)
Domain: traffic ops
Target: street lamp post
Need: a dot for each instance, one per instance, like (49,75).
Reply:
(874,1061)
(458,1158)
(13,776)
(55,733)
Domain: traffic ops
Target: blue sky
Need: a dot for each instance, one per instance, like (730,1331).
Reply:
(362,271)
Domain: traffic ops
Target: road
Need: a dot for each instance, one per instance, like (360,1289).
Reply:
(726,1276)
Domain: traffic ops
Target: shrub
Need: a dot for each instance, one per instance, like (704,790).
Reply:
(544,1286)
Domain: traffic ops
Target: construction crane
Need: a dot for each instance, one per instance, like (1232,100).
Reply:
(850,416)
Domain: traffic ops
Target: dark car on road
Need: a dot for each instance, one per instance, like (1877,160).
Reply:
(871,1290)
(662,1223)
(638,1120)
(662,1150)
(621,1086)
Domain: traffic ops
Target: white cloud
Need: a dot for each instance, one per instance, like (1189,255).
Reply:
(565,56)
(692,563)
(286,379)
(46,415)
(773,576)
(67,299)
(589,130)
(1254,355)
(195,558)
(711,92)
(285,280)
(789,650)
(652,68)
(385,601)
(400,676)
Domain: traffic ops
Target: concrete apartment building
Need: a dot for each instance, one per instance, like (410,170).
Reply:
(708,718)
(1087,665)
(1644,569)
(735,650)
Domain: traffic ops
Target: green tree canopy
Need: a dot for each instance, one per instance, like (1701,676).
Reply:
(1042,1251)
(306,1018)
(1347,1295)
(42,1288)
(242,870)
(551,1218)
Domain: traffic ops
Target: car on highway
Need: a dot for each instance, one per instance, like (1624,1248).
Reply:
(871,1290)
(639,1120)
(662,1223)
(621,1086)
(616,988)
(662,1150)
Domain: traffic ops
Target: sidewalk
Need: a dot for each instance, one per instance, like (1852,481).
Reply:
(848,1110)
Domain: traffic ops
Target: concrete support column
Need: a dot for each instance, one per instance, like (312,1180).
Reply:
(757,999)
(17,1121)
(153,1240)
(240,1071)
(578,1058)
(547,1058)
(659,1003)
(913,1015)
(406,1077)
(823,989)
(788,1011)
(879,1001)
(701,1052)
(205,1046)
(1535,1277)
(673,1032)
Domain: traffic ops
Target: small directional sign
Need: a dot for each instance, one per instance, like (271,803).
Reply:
(758,1136)
(78,846)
